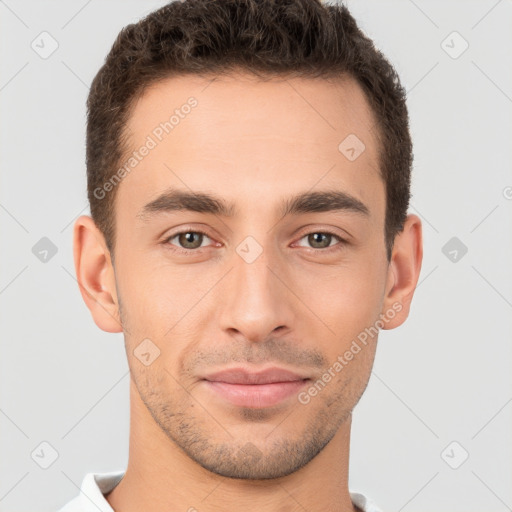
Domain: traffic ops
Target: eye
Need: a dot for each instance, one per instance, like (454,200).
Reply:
(321,240)
(189,241)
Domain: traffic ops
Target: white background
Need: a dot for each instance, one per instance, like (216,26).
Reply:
(443,376)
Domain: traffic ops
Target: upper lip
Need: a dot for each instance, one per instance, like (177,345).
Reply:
(245,376)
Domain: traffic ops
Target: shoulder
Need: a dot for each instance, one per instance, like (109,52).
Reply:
(363,502)
(91,497)
(72,506)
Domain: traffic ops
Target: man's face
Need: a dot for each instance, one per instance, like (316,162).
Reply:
(258,290)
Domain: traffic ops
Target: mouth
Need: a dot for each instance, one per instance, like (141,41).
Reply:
(245,388)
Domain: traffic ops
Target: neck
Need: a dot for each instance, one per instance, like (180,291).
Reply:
(161,477)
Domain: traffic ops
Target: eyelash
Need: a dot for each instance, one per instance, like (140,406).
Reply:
(190,252)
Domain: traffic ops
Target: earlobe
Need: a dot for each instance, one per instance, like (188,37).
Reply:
(403,273)
(95,274)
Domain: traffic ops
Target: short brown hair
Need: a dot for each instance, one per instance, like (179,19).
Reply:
(303,38)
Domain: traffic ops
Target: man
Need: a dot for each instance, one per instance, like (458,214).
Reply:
(248,174)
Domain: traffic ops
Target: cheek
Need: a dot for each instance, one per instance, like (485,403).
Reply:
(169,306)
(159,291)
(346,299)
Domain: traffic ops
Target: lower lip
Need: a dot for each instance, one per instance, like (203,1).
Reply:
(256,396)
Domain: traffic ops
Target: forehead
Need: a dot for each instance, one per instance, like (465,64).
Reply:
(308,109)
(250,137)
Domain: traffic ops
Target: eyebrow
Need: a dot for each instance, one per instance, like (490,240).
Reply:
(203,202)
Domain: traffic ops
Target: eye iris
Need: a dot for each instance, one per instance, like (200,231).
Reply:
(185,239)
(312,239)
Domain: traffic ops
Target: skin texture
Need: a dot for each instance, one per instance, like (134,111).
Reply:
(297,305)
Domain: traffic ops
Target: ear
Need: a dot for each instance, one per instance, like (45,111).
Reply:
(95,274)
(403,272)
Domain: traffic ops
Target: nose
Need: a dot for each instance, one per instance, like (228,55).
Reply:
(256,302)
